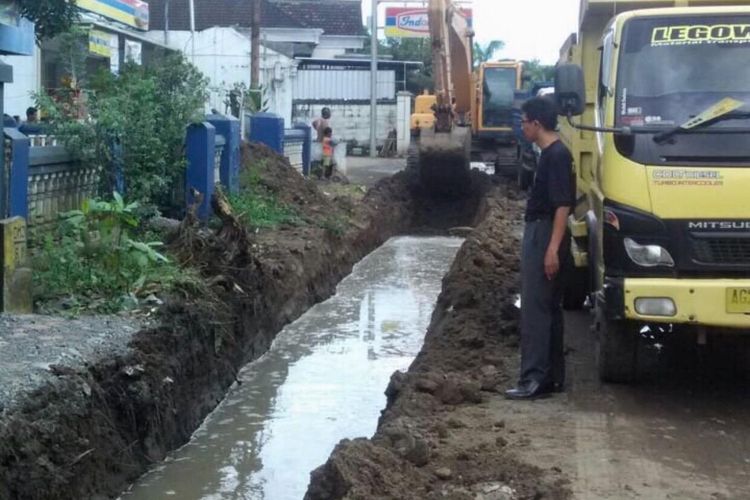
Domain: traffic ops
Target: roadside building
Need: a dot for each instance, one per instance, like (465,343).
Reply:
(116,34)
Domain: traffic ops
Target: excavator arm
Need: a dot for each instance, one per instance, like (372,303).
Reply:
(452,56)
(445,149)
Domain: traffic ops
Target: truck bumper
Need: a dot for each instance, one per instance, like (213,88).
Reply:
(721,303)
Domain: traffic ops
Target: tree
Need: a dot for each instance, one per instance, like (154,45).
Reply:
(144,110)
(50,17)
(408,49)
(414,49)
(536,72)
(485,53)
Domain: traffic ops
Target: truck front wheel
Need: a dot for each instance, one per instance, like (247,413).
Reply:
(616,349)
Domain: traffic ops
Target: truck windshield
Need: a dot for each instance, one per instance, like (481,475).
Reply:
(498,92)
(673,68)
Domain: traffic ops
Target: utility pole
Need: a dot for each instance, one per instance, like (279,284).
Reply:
(255,45)
(374,79)
(192,31)
(166,22)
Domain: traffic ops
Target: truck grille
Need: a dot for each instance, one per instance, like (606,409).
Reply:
(721,250)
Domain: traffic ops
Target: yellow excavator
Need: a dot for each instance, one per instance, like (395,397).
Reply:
(470,114)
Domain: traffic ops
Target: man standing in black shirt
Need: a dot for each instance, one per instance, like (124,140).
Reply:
(546,244)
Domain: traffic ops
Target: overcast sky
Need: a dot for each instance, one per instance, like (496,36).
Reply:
(531,29)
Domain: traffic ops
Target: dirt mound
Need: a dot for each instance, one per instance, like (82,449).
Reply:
(274,174)
(436,436)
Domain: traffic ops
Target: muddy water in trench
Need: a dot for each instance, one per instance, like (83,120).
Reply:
(321,381)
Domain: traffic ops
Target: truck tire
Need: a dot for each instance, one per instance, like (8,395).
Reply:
(576,286)
(616,349)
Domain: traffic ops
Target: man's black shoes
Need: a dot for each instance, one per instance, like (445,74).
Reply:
(529,390)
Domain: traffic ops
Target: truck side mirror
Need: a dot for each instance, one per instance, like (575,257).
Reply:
(570,90)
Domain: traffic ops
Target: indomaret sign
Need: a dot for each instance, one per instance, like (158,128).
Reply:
(405,22)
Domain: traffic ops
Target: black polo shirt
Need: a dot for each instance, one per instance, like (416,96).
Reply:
(554,183)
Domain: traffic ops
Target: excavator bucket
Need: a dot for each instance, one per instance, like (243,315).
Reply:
(444,162)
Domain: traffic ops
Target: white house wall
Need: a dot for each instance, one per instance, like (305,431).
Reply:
(223,56)
(26,80)
(351,121)
(342,85)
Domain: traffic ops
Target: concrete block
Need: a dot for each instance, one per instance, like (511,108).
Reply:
(16,271)
(201,150)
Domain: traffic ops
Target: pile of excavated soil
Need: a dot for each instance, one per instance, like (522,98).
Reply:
(277,177)
(97,425)
(437,438)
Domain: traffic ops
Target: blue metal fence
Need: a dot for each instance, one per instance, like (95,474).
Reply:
(39,179)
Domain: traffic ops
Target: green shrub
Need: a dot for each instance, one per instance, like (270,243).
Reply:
(146,109)
(95,264)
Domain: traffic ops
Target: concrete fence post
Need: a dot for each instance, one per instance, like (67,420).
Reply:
(199,179)
(229,128)
(17,174)
(15,295)
(306,147)
(268,129)
(403,122)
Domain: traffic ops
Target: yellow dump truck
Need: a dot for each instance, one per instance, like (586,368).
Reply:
(656,100)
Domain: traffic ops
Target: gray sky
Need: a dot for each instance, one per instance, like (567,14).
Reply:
(531,29)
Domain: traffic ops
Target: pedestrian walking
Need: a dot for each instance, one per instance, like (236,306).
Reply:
(546,245)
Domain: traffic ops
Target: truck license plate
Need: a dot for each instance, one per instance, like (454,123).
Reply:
(738,300)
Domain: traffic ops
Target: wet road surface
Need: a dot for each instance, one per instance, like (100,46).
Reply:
(368,171)
(322,381)
(683,432)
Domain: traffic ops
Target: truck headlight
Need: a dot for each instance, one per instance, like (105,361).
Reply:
(655,306)
(648,255)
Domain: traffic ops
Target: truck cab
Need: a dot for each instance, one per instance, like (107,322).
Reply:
(661,232)
(496,89)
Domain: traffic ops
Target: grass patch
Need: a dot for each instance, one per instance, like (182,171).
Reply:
(257,207)
(335,225)
(263,210)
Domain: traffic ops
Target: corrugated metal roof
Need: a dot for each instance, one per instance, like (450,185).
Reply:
(313,84)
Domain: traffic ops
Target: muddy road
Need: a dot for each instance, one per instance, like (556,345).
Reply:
(682,432)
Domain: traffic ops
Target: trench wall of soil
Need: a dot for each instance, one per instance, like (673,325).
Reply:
(91,432)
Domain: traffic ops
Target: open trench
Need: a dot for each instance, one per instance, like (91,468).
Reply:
(321,381)
(445,430)
(95,428)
